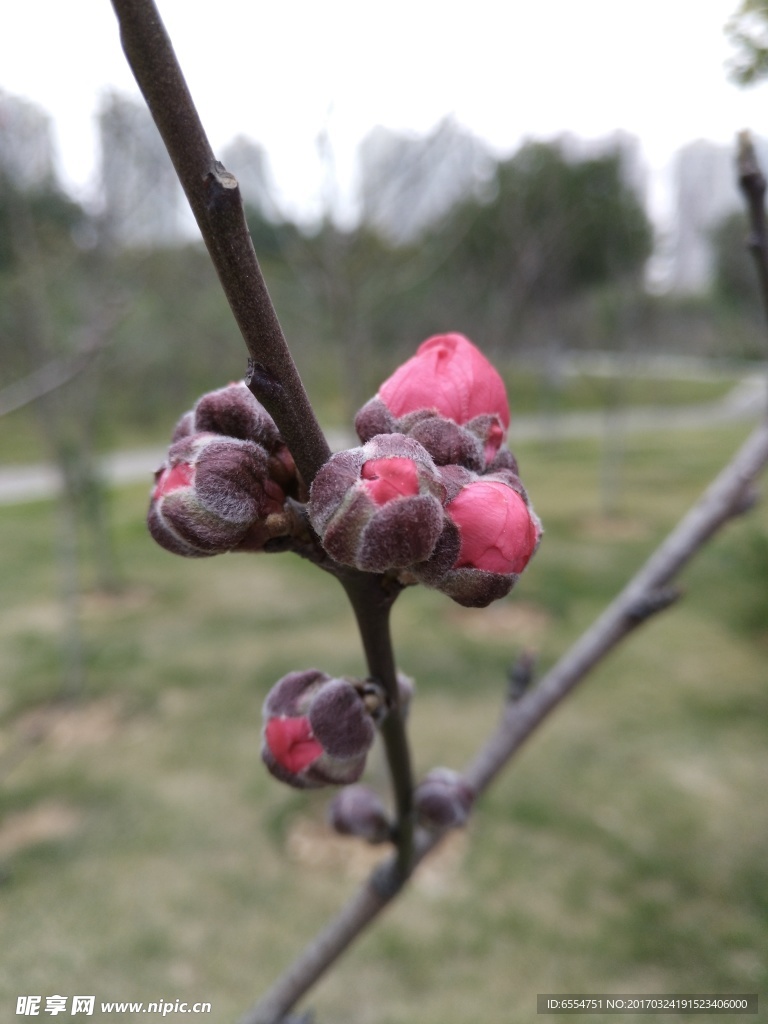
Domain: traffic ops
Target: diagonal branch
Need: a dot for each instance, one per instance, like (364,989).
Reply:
(649,592)
(45,379)
(214,196)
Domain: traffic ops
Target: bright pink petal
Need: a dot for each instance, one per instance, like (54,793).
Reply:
(174,479)
(386,479)
(292,744)
(493,442)
(450,374)
(496,529)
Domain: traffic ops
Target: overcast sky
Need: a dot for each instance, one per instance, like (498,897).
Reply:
(506,70)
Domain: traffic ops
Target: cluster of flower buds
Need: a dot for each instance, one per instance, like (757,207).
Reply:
(225,480)
(431,493)
(317,729)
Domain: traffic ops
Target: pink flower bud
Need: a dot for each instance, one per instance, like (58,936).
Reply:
(317,730)
(233,411)
(449,374)
(449,397)
(379,506)
(496,529)
(359,811)
(489,536)
(443,800)
(211,495)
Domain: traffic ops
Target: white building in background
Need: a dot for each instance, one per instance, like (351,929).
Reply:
(408,182)
(26,142)
(143,201)
(705,191)
(248,161)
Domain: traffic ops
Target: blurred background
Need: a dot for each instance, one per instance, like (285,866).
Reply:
(558,183)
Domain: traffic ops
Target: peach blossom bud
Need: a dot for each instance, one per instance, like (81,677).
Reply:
(443,800)
(449,397)
(489,536)
(234,412)
(291,743)
(452,376)
(496,528)
(379,506)
(317,730)
(359,811)
(210,495)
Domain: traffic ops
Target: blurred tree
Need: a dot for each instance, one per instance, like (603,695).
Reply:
(143,201)
(748,31)
(409,183)
(553,227)
(734,271)
(55,323)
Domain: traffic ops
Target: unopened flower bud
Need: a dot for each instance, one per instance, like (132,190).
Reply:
(497,529)
(489,536)
(317,730)
(235,412)
(211,495)
(449,397)
(443,800)
(379,506)
(450,374)
(359,811)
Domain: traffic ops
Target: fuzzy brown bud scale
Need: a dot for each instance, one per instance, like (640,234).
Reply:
(378,507)
(317,730)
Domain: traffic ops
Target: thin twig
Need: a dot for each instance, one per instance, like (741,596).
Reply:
(58,372)
(214,196)
(645,595)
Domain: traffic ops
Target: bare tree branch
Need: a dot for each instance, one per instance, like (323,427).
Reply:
(647,593)
(54,374)
(215,200)
(43,381)
(214,196)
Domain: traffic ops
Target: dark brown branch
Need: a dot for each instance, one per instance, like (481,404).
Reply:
(752,185)
(647,593)
(214,196)
(372,605)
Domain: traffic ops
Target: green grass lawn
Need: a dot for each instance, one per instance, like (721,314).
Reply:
(147,855)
